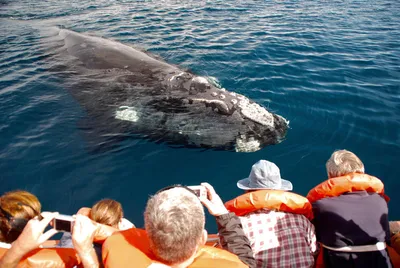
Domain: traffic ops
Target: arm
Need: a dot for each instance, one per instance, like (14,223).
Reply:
(31,237)
(230,228)
(312,240)
(82,237)
(103,232)
(12,257)
(234,239)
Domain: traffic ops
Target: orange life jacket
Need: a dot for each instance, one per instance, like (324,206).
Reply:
(131,248)
(349,183)
(48,257)
(270,199)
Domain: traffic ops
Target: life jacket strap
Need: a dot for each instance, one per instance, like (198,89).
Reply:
(367,248)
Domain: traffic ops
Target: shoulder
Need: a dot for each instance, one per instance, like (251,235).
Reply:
(215,257)
(125,224)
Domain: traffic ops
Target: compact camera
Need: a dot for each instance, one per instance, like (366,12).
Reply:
(199,190)
(63,223)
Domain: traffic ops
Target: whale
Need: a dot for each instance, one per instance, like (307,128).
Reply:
(127,91)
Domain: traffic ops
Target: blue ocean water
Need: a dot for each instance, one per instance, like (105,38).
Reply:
(330,67)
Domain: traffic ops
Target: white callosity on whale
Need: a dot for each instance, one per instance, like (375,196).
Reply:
(127,113)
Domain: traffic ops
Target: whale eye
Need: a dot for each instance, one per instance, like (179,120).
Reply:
(216,105)
(192,90)
(222,108)
(201,84)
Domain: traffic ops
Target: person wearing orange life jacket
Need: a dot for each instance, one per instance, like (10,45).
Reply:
(174,236)
(275,220)
(351,215)
(106,212)
(23,252)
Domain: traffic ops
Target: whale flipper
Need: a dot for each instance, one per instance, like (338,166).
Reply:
(100,139)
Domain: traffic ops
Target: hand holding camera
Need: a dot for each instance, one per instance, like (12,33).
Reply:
(32,237)
(212,201)
(83,233)
(63,223)
(199,190)
(33,234)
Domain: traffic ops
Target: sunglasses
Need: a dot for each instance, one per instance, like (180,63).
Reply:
(176,186)
(18,224)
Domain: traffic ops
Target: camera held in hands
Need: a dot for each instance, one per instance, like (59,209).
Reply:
(63,223)
(199,190)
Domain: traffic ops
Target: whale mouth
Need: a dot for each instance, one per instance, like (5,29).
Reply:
(247,145)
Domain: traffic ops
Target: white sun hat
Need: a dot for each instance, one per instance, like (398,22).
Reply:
(264,175)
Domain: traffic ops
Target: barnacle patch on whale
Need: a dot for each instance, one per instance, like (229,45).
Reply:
(255,112)
(245,145)
(127,113)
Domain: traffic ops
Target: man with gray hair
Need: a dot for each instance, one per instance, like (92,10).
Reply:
(351,215)
(343,162)
(174,221)
(174,234)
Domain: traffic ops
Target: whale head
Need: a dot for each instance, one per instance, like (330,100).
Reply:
(210,116)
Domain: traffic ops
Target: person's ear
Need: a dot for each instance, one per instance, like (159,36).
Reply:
(204,237)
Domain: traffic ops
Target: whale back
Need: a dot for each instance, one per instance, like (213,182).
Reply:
(99,53)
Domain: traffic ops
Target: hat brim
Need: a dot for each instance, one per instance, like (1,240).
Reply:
(244,185)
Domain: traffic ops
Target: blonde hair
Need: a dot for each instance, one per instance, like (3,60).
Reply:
(343,162)
(174,221)
(108,212)
(18,205)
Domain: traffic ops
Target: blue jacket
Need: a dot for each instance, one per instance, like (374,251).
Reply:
(352,219)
